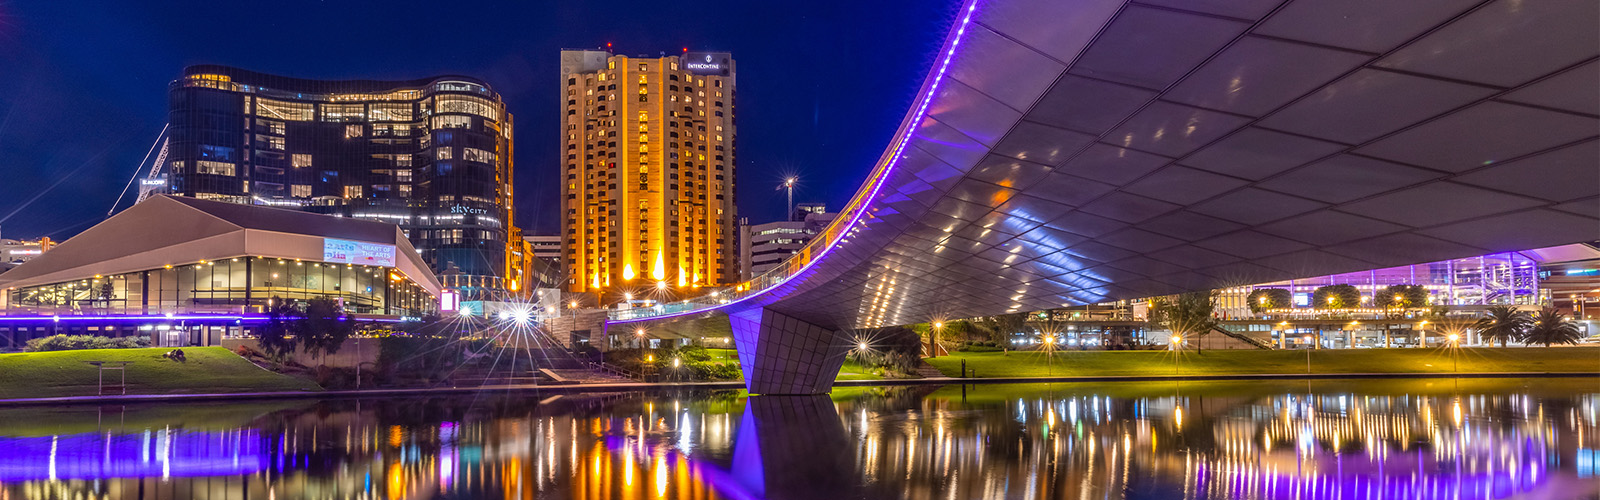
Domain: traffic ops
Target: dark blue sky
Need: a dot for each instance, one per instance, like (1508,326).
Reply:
(822,85)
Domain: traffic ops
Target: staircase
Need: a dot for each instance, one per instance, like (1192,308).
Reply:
(926,370)
(1244,338)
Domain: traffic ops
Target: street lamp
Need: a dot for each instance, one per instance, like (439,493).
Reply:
(1455,354)
(1176,342)
(1308,354)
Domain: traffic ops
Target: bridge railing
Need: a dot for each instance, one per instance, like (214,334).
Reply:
(812,251)
(849,221)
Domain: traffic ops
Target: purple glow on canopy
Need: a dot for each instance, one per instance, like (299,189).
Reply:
(866,203)
(150,454)
(152,317)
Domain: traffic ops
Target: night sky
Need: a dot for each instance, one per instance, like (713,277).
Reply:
(83,84)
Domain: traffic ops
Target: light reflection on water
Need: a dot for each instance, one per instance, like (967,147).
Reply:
(1508,438)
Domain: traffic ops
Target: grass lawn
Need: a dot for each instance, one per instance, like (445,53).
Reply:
(1228,362)
(208,369)
(850,371)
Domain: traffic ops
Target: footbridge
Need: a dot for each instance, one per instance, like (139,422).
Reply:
(1072,152)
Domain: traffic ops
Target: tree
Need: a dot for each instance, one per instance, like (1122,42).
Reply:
(1401,297)
(1502,323)
(1188,315)
(1000,328)
(274,337)
(323,328)
(1549,326)
(1336,297)
(1263,299)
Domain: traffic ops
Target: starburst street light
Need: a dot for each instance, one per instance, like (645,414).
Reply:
(1455,354)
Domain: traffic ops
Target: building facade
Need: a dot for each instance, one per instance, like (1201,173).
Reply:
(649,168)
(14,252)
(546,247)
(192,271)
(762,247)
(432,155)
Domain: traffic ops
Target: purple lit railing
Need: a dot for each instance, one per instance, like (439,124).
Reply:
(850,220)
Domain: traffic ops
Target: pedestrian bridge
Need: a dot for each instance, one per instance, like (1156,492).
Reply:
(1071,152)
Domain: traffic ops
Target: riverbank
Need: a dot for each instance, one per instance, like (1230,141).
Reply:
(536,390)
(1022,364)
(204,370)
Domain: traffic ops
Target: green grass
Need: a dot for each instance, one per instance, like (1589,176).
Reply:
(1008,392)
(1239,362)
(850,371)
(856,371)
(207,370)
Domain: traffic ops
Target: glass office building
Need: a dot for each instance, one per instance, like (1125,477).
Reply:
(432,155)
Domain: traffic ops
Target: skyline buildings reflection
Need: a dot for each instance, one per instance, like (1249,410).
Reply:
(1436,438)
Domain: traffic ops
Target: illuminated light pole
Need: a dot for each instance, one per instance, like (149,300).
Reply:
(1176,344)
(1455,354)
(788,188)
(1049,353)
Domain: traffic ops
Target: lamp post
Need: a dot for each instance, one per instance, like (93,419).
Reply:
(1455,353)
(1308,354)
(1049,354)
(1176,344)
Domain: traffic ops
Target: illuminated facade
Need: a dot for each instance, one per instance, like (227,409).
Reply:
(649,171)
(188,272)
(432,155)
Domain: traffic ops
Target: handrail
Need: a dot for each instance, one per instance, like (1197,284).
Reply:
(615,370)
(838,232)
(1245,338)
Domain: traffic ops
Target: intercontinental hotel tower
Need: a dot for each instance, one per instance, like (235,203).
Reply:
(648,164)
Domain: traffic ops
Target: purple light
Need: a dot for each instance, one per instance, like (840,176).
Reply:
(149,454)
(866,203)
(196,317)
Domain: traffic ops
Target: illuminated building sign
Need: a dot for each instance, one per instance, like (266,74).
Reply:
(449,301)
(707,63)
(458,209)
(356,252)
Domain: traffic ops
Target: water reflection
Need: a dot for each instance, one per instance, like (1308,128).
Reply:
(1323,440)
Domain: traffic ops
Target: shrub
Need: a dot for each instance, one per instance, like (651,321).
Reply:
(76,342)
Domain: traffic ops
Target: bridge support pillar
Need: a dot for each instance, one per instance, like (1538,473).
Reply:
(781,354)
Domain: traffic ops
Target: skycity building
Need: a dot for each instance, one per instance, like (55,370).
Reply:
(648,164)
(432,155)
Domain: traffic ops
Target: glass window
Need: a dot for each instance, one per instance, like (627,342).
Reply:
(299,160)
(213,167)
(352,191)
(452,121)
(283,110)
(478,155)
(300,191)
(344,112)
(467,104)
(391,111)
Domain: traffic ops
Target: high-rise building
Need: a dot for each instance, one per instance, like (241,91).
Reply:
(432,155)
(763,247)
(648,164)
(545,246)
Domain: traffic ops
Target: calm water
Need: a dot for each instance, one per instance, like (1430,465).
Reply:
(1467,439)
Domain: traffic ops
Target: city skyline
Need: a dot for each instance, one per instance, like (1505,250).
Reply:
(125,103)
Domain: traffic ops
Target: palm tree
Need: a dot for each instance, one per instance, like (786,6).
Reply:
(1550,327)
(1503,323)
